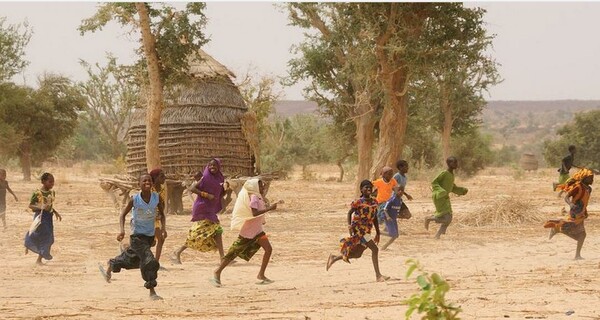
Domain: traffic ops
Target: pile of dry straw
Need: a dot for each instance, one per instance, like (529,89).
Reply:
(508,211)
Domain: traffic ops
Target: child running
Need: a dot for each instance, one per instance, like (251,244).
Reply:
(159,186)
(391,210)
(248,217)
(402,179)
(441,187)
(3,188)
(206,231)
(362,218)
(383,188)
(566,164)
(40,237)
(144,207)
(578,195)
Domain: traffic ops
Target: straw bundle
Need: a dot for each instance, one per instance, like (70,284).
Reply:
(508,211)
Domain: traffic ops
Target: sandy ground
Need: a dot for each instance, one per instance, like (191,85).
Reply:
(494,273)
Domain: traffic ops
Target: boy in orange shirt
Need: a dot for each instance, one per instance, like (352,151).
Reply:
(384,187)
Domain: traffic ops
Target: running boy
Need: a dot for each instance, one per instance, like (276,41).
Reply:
(565,166)
(402,180)
(441,187)
(362,218)
(144,207)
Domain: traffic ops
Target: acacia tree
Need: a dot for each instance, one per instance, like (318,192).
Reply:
(459,69)
(43,118)
(584,132)
(169,39)
(259,94)
(341,72)
(111,93)
(13,40)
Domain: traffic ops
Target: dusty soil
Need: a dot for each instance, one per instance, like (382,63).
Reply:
(495,273)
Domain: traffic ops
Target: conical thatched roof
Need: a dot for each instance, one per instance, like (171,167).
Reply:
(202,119)
(205,66)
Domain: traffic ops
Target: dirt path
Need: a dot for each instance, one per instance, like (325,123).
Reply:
(494,273)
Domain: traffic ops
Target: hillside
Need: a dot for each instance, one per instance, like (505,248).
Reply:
(524,124)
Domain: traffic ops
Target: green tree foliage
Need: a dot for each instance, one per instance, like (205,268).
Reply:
(260,94)
(341,73)
(43,118)
(13,40)
(363,59)
(299,140)
(111,92)
(11,97)
(584,133)
(170,38)
(473,151)
(431,298)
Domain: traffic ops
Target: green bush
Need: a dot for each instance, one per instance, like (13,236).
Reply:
(431,298)
(473,152)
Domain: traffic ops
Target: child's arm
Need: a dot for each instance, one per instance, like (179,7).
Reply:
(163,219)
(58,216)
(256,212)
(376,225)
(350,220)
(202,194)
(124,213)
(459,190)
(11,192)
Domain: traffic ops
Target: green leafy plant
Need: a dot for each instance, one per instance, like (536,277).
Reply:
(431,299)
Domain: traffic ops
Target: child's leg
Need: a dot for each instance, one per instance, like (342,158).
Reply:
(176,257)
(266,245)
(148,265)
(39,260)
(445,221)
(3,217)
(387,244)
(159,243)
(219,242)
(333,259)
(580,240)
(374,256)
(578,236)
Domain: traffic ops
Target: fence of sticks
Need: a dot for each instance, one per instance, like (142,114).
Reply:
(120,188)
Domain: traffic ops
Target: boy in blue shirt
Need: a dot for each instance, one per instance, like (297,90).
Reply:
(145,206)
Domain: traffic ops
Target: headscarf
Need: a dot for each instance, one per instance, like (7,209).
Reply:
(241,210)
(575,179)
(154,174)
(366,183)
(211,183)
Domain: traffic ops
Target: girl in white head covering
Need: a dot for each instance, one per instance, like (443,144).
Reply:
(248,217)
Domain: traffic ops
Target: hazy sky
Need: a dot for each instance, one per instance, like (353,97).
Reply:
(547,49)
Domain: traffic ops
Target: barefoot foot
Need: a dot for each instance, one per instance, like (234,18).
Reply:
(330,262)
(382,278)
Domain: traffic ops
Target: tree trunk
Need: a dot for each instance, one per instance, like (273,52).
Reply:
(447,125)
(365,137)
(25,161)
(155,101)
(340,165)
(175,195)
(393,123)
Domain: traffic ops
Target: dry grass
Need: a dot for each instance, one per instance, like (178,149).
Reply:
(508,211)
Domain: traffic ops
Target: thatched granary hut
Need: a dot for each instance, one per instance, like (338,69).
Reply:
(207,118)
